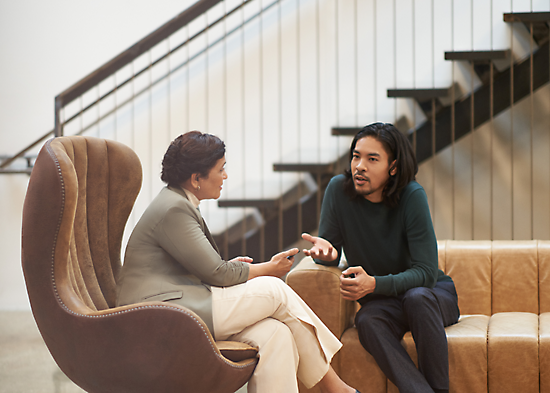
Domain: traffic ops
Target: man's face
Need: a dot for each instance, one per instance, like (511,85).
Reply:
(370,168)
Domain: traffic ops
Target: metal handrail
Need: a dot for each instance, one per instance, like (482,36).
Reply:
(127,56)
(8,161)
(162,77)
(136,50)
(157,61)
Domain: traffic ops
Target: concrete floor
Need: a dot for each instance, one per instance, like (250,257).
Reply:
(26,365)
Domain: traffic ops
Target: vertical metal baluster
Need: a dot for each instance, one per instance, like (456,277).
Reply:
(453,121)
(224,114)
(261,130)
(206,75)
(337,72)
(375,67)
(531,95)
(168,93)
(187,88)
(318,70)
(433,120)
(395,58)
(151,174)
(81,115)
(280,87)
(133,111)
(472,137)
(243,136)
(472,125)
(98,110)
(116,107)
(433,160)
(414,70)
(492,129)
(356,67)
(298,117)
(512,124)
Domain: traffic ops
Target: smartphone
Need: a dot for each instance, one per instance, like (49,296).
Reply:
(290,256)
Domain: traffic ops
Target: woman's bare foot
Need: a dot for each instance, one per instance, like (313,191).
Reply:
(331,383)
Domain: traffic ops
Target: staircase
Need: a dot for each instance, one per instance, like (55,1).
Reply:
(278,221)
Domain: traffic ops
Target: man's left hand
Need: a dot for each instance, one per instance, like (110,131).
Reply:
(357,287)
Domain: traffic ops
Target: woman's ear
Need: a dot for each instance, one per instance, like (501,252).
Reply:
(195,181)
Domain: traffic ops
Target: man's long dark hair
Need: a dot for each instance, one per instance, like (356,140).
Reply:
(398,148)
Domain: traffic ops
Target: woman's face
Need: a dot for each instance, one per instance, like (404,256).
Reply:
(211,187)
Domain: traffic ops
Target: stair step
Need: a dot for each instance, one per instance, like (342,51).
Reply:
(487,55)
(418,94)
(258,203)
(527,17)
(312,168)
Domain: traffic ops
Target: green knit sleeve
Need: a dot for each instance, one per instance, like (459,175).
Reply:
(422,247)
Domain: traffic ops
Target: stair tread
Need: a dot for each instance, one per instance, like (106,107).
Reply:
(304,167)
(419,94)
(267,203)
(477,55)
(527,17)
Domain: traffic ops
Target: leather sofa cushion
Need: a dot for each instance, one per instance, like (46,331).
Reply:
(544,352)
(513,349)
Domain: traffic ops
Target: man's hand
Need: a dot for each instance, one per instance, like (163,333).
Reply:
(322,249)
(354,288)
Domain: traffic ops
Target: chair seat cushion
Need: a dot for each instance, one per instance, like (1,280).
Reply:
(236,351)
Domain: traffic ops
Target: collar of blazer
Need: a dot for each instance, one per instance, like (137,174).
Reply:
(187,195)
(184,193)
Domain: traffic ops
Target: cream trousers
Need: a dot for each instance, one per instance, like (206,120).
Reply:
(292,340)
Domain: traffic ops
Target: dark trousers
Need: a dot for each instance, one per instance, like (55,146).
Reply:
(383,321)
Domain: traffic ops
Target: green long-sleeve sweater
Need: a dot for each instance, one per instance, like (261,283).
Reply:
(395,245)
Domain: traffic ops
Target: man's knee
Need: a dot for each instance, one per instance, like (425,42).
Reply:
(419,301)
(370,323)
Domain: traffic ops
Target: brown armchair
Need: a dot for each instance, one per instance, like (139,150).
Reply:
(80,194)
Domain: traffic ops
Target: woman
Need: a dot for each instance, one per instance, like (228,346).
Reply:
(171,256)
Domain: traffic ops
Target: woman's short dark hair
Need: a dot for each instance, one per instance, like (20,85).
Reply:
(398,148)
(192,152)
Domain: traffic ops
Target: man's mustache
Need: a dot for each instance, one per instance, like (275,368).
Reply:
(357,173)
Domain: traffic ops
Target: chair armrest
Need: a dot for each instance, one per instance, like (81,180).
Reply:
(319,287)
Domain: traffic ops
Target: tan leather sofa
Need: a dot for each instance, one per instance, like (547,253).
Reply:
(500,344)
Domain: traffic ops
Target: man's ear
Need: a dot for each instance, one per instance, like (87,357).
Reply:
(393,168)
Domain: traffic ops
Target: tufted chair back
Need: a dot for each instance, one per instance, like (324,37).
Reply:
(80,194)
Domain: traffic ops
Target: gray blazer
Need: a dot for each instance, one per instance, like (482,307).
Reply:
(172,257)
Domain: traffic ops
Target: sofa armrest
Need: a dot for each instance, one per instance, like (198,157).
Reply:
(319,287)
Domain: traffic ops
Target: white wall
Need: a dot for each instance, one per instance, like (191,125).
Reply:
(45,47)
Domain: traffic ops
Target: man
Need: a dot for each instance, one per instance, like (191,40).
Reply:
(379,215)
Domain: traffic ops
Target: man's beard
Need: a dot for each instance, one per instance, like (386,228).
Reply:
(362,192)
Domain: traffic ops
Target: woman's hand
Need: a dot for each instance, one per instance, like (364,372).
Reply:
(322,249)
(282,262)
(277,266)
(242,259)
